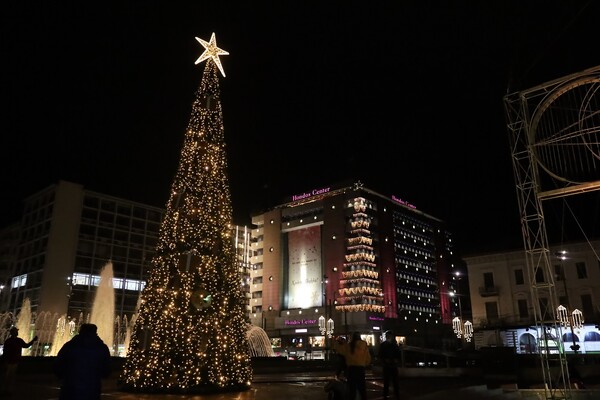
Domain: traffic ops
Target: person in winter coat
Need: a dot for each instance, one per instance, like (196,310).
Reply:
(389,355)
(358,358)
(81,364)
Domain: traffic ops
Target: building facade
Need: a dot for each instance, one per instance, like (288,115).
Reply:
(502,302)
(67,235)
(330,261)
(348,258)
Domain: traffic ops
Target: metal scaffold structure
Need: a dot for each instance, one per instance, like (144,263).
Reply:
(554,134)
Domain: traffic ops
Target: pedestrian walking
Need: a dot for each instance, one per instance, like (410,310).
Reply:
(81,364)
(11,357)
(389,356)
(358,358)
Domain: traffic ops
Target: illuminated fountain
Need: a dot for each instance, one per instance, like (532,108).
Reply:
(103,307)
(54,330)
(258,341)
(24,324)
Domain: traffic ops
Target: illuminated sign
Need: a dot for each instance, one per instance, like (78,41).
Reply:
(372,318)
(300,321)
(312,193)
(404,203)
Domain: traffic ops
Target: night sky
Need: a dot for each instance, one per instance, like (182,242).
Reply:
(405,96)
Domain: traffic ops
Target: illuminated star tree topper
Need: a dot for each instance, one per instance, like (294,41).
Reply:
(211,51)
(190,331)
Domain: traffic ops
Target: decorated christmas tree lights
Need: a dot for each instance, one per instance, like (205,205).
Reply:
(190,332)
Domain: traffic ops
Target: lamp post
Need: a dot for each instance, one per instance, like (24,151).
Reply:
(461,329)
(574,320)
(326,324)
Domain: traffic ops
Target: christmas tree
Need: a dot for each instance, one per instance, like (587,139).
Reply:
(190,332)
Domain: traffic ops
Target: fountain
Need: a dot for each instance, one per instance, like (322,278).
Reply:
(24,324)
(103,307)
(258,341)
(54,330)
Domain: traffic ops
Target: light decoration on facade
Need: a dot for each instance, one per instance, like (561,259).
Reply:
(360,289)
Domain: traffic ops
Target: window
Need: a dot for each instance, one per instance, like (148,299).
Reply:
(491,310)
(488,280)
(539,275)
(519,280)
(587,307)
(558,272)
(581,270)
(523,311)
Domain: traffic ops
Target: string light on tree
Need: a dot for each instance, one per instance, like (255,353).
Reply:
(190,332)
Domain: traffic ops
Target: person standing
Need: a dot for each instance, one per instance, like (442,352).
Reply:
(81,364)
(12,356)
(358,358)
(389,355)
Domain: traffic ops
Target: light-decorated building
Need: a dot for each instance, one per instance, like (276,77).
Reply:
(367,261)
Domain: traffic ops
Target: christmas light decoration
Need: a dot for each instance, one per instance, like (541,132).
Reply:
(360,289)
(190,332)
(211,51)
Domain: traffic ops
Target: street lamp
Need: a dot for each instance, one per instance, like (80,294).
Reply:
(461,329)
(326,324)
(574,321)
(326,328)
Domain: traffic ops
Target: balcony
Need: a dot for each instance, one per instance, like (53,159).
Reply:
(487,291)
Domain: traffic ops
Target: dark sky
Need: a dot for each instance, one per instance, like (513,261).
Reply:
(406,96)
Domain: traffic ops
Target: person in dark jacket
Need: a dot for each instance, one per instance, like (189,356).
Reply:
(12,356)
(81,364)
(389,355)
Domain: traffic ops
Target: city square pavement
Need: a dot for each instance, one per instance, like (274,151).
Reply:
(288,386)
(302,385)
(297,386)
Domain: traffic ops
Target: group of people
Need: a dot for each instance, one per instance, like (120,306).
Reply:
(80,364)
(354,358)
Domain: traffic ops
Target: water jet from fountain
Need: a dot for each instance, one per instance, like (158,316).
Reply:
(258,342)
(103,307)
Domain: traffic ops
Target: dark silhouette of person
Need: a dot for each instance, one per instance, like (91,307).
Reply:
(358,358)
(340,370)
(81,364)
(12,356)
(389,355)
